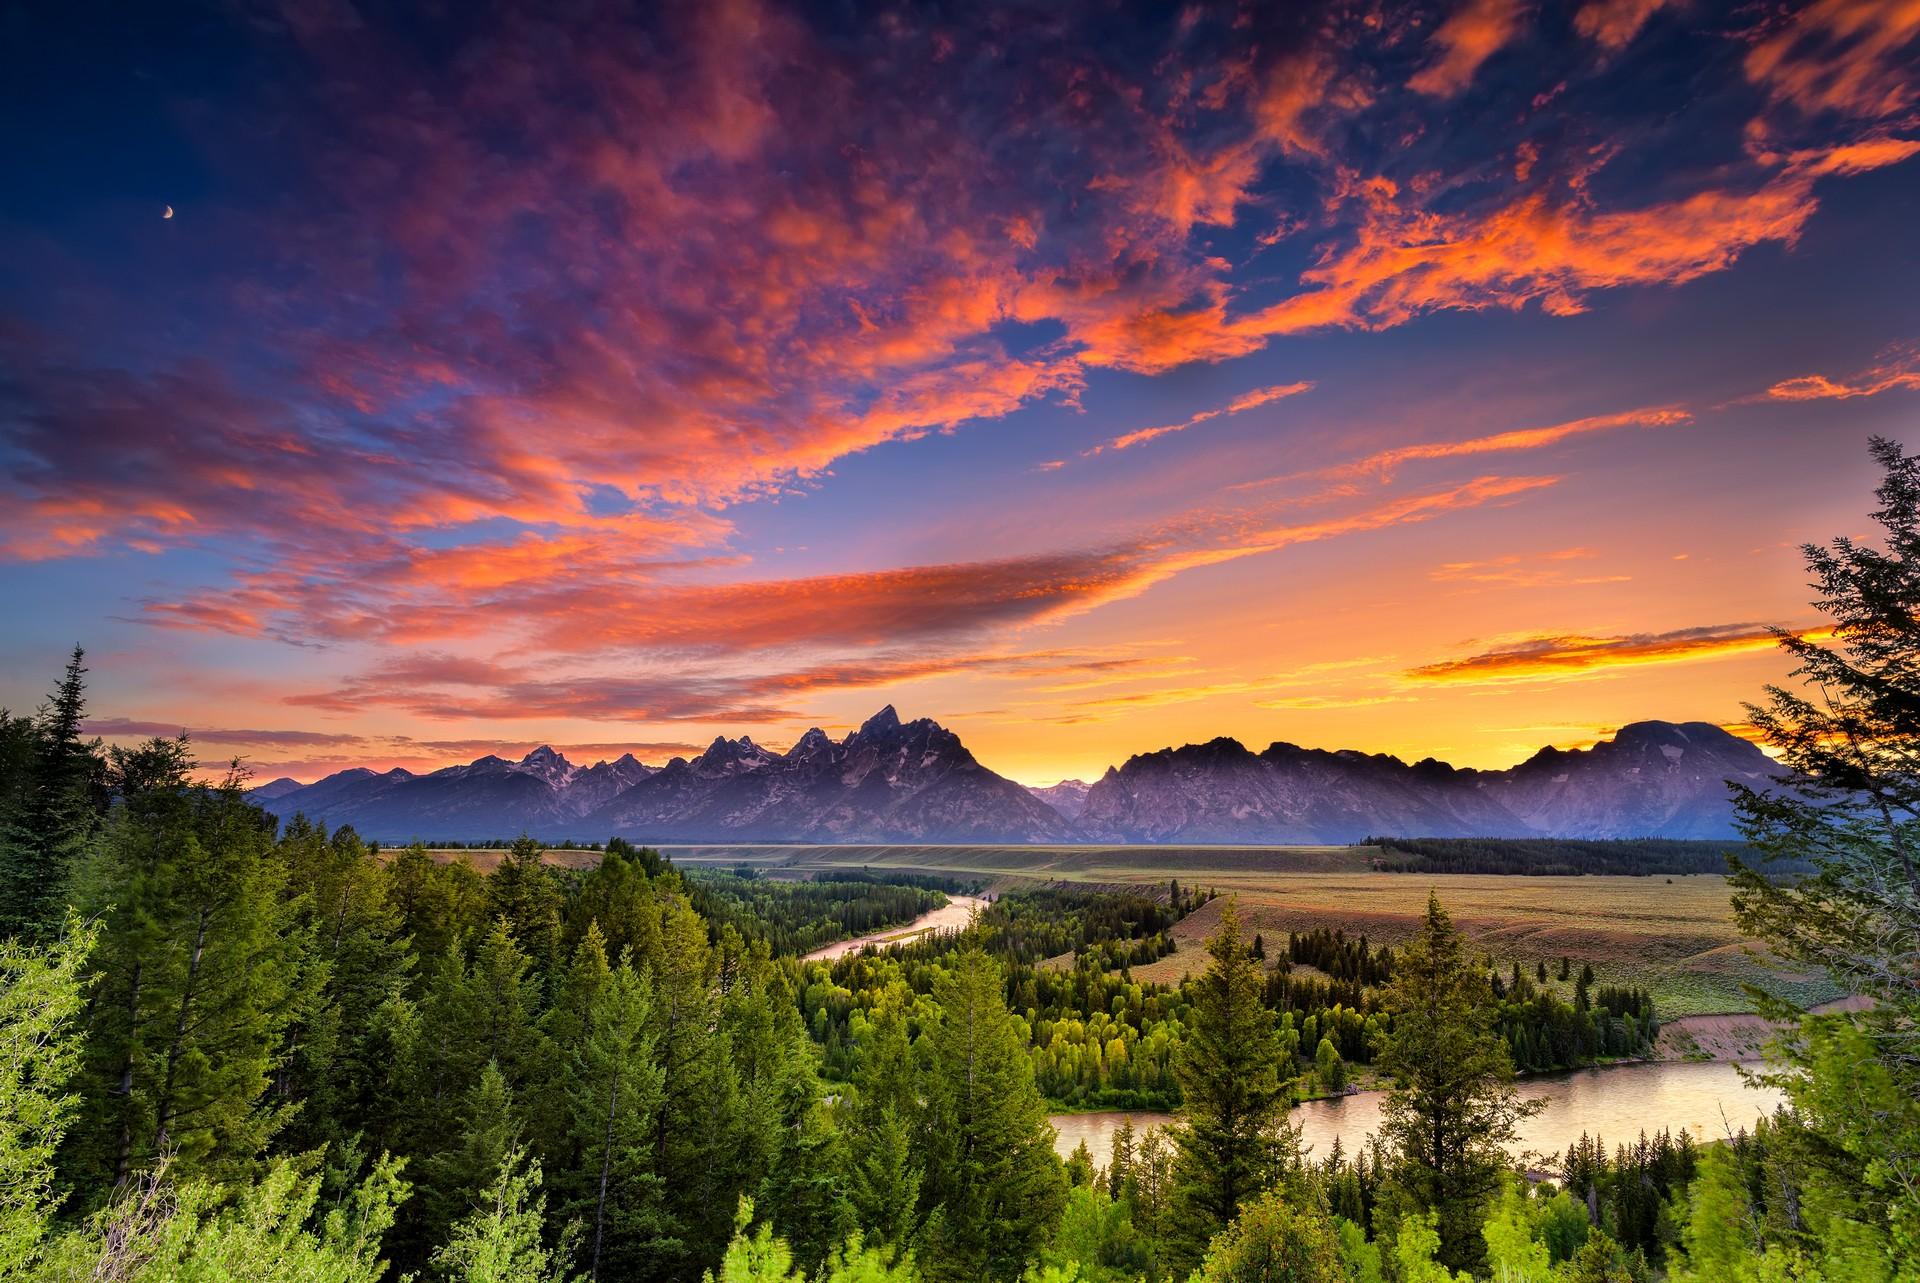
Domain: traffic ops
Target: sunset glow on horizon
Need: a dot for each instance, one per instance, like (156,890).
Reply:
(1440,380)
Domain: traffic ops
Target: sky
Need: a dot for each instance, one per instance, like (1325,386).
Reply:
(389,385)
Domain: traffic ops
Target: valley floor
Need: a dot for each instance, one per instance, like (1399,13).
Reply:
(1674,936)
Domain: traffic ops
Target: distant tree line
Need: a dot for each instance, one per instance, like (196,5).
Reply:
(797,917)
(1565,857)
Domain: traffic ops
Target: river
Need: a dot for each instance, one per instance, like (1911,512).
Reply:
(1616,1103)
(951,916)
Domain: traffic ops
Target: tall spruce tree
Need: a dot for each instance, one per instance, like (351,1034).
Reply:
(202,967)
(696,1130)
(1848,803)
(992,1176)
(52,800)
(482,1130)
(339,1059)
(886,1169)
(791,1152)
(1233,1140)
(478,1020)
(1452,1105)
(608,1091)
(439,905)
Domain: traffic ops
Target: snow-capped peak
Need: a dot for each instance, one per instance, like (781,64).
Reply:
(548,765)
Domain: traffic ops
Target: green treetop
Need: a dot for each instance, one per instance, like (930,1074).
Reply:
(1452,1105)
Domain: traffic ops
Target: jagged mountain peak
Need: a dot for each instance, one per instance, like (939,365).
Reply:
(732,755)
(814,741)
(1069,797)
(881,723)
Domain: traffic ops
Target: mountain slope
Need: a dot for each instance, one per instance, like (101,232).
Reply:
(542,793)
(886,782)
(1654,779)
(894,781)
(1068,797)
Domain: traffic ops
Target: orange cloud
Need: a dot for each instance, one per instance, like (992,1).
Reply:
(1383,464)
(1899,368)
(1612,24)
(1473,33)
(742,652)
(1850,57)
(1405,262)
(1562,657)
(1245,401)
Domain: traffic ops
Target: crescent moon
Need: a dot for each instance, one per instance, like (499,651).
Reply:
(169,213)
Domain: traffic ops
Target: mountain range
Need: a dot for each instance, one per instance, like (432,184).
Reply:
(894,781)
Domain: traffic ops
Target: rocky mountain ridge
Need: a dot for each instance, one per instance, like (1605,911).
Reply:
(894,781)
(888,781)
(1652,779)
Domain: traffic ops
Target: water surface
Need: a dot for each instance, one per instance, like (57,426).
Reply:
(951,916)
(1617,1103)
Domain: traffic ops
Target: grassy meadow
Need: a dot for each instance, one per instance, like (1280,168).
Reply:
(1674,936)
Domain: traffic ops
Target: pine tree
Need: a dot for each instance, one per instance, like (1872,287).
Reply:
(1452,1105)
(790,1150)
(884,1184)
(476,1021)
(523,894)
(611,1089)
(1121,1181)
(991,1170)
(438,905)
(202,968)
(1152,1200)
(887,1172)
(568,1024)
(492,1013)
(1233,1139)
(482,1132)
(52,800)
(620,897)
(1080,1166)
(339,1061)
(697,1127)
(1849,805)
